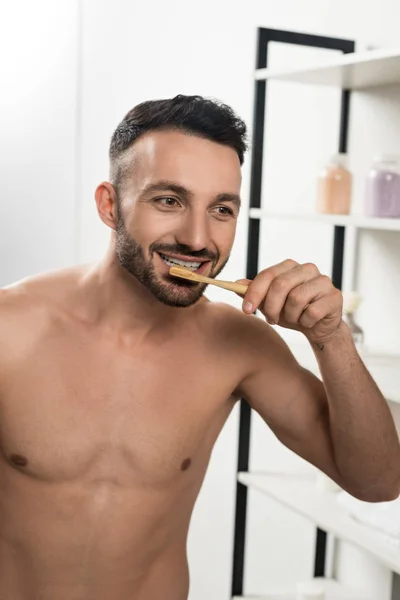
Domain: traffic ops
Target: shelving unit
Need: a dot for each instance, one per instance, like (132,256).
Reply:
(333,590)
(357,221)
(300,494)
(351,71)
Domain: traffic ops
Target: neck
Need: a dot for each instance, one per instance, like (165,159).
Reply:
(120,302)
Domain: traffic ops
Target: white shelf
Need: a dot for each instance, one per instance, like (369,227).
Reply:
(358,221)
(333,591)
(349,71)
(300,494)
(384,368)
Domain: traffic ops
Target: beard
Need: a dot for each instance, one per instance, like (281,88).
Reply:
(167,289)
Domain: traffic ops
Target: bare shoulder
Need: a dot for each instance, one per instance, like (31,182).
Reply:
(35,289)
(43,284)
(25,305)
(251,331)
(251,342)
(251,336)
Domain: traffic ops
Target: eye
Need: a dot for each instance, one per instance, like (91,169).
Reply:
(229,211)
(166,202)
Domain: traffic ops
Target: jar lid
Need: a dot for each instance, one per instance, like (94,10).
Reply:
(387,158)
(339,159)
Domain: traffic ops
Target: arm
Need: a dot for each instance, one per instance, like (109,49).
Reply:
(290,399)
(343,426)
(364,436)
(350,437)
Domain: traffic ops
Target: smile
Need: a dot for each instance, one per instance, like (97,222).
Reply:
(171,262)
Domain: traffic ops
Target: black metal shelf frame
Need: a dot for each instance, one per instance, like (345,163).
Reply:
(265,37)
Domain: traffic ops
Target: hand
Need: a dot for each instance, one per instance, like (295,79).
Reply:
(296,297)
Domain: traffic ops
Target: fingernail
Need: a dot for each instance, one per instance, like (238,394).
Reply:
(248,307)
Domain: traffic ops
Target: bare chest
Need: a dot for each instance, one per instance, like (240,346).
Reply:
(88,412)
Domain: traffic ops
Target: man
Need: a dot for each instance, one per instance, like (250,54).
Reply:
(116,378)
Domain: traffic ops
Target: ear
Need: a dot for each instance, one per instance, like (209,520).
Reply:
(106,202)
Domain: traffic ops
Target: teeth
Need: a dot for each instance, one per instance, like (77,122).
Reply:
(171,262)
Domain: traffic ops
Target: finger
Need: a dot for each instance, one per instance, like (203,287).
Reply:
(243,282)
(282,285)
(303,295)
(259,286)
(318,310)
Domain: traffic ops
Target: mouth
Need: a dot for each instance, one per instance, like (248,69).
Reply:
(196,266)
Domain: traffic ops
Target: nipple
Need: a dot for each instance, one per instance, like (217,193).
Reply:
(19,460)
(186,464)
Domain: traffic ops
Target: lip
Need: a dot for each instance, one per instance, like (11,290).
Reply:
(203,267)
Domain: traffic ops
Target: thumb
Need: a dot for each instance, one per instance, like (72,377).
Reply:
(243,282)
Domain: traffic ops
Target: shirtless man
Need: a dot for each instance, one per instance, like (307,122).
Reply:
(116,378)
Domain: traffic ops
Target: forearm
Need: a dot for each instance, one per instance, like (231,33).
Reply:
(365,441)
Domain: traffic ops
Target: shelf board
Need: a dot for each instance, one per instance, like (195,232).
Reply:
(333,591)
(349,71)
(358,221)
(300,494)
(384,368)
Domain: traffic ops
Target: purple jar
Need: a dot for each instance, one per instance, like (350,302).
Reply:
(382,197)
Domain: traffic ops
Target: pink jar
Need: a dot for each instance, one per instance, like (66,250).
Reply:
(382,194)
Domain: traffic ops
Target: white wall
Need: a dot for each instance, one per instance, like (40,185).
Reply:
(38,69)
(54,142)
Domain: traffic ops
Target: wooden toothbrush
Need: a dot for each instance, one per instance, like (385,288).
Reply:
(184,273)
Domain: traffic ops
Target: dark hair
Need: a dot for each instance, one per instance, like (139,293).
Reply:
(195,115)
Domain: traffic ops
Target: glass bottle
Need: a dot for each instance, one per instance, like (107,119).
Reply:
(356,331)
(335,187)
(351,301)
(382,193)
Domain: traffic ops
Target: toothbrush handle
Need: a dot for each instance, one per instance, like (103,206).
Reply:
(239,288)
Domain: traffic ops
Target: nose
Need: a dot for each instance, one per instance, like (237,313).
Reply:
(194,231)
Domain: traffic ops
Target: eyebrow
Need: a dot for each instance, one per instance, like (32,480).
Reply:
(164,185)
